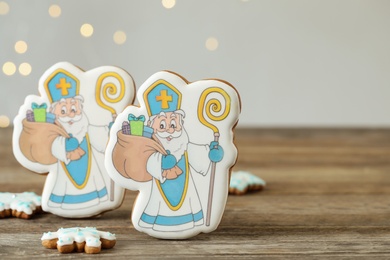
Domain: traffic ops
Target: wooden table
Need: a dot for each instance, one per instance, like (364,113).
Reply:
(327,195)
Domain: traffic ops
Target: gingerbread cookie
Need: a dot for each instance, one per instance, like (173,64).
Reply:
(20,205)
(88,240)
(177,149)
(64,131)
(242,182)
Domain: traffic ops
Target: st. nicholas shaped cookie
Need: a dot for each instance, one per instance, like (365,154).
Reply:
(64,132)
(177,149)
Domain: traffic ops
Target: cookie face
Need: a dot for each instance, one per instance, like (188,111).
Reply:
(20,205)
(88,240)
(177,149)
(64,132)
(243,182)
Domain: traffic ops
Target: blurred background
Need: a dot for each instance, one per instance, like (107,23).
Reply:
(296,63)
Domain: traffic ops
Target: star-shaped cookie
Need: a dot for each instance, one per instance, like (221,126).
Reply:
(20,205)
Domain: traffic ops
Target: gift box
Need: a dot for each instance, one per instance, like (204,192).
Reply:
(39,112)
(136,124)
(148,131)
(126,128)
(50,118)
(30,116)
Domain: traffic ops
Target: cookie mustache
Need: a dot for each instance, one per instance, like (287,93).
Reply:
(67,119)
(175,134)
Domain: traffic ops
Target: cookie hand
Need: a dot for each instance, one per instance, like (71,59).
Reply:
(172,173)
(112,122)
(75,154)
(71,143)
(168,161)
(216,152)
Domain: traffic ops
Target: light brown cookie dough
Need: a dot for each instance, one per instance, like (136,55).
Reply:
(242,182)
(88,240)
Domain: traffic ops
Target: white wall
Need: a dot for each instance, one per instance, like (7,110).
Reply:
(294,62)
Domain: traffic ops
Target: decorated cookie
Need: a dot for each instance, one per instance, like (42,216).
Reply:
(64,131)
(88,240)
(20,205)
(177,149)
(242,182)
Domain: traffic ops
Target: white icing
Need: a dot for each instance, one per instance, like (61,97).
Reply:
(90,235)
(49,236)
(241,180)
(107,235)
(25,202)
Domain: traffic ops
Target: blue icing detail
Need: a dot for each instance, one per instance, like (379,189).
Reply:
(198,216)
(173,189)
(168,161)
(148,219)
(102,192)
(55,198)
(56,93)
(156,106)
(174,220)
(148,132)
(25,204)
(71,144)
(215,154)
(178,220)
(78,169)
(73,199)
(50,118)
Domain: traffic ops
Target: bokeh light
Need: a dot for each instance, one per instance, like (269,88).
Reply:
(4,8)
(25,69)
(4,121)
(21,47)
(86,30)
(9,68)
(212,44)
(54,11)
(119,37)
(168,3)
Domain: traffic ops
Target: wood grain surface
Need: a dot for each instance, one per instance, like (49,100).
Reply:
(327,196)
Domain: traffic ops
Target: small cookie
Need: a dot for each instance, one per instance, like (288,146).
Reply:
(20,205)
(88,240)
(242,182)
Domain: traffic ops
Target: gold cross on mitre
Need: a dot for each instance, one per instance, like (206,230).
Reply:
(164,98)
(63,85)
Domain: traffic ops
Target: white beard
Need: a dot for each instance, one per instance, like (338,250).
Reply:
(78,129)
(177,146)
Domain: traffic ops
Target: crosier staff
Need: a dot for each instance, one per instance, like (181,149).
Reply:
(212,107)
(111,89)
